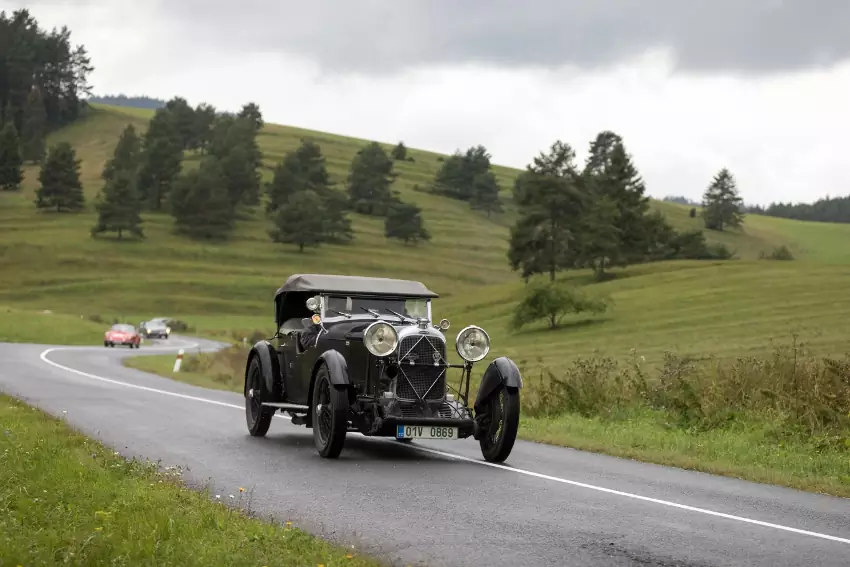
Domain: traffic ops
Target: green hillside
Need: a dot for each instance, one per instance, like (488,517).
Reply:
(50,262)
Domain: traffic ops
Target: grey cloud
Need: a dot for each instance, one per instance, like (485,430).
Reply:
(383,36)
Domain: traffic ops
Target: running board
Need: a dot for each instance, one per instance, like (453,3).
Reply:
(286,407)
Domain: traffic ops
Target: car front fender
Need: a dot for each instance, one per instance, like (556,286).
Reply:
(270,369)
(501,372)
(337,367)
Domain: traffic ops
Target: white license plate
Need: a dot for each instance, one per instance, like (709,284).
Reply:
(425,432)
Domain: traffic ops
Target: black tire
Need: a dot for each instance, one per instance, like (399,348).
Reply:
(257,417)
(106,344)
(330,424)
(503,407)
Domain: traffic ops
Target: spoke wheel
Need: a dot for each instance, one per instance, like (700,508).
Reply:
(258,418)
(503,418)
(330,421)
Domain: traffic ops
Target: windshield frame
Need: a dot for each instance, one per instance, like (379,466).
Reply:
(332,316)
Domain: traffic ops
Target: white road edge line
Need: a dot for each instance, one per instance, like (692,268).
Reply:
(43,357)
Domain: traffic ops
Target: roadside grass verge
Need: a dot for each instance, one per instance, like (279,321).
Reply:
(780,419)
(45,327)
(65,498)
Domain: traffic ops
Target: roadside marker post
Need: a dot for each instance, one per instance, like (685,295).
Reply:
(178,361)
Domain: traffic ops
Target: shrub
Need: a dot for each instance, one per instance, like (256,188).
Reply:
(806,394)
(552,301)
(178,326)
(778,253)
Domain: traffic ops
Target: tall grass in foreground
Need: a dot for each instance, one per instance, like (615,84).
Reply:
(804,395)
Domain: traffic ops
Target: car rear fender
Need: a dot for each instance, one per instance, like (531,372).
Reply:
(272,389)
(500,372)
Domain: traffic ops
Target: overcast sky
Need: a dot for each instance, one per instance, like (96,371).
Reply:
(759,86)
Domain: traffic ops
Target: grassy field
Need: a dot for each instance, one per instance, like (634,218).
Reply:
(725,309)
(65,499)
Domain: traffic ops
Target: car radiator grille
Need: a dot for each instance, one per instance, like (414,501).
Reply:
(422,374)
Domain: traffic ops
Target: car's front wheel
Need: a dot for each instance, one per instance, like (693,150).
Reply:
(258,418)
(503,423)
(330,421)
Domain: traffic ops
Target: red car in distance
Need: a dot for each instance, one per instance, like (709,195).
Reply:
(122,334)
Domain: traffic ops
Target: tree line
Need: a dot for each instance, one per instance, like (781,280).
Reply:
(204,168)
(43,78)
(597,215)
(828,209)
(131,101)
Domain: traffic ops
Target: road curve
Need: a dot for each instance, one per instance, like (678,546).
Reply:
(431,503)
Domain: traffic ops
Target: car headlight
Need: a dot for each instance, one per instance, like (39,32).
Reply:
(380,338)
(473,343)
(168,330)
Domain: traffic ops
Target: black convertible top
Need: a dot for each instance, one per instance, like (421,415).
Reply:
(356,285)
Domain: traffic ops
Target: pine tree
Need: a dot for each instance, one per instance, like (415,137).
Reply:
(183,119)
(369,180)
(337,224)
(161,159)
(119,207)
(300,170)
(546,236)
(200,203)
(202,131)
(399,152)
(34,127)
(721,202)
(485,193)
(251,112)
(10,158)
(60,180)
(404,221)
(125,156)
(234,143)
(610,175)
(456,176)
(300,221)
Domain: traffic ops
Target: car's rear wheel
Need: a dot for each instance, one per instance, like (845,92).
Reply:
(503,423)
(330,421)
(258,418)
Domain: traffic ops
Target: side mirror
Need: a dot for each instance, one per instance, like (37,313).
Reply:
(444,325)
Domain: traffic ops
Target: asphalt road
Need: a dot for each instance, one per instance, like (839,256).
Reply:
(435,503)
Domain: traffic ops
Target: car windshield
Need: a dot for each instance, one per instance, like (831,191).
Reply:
(154,324)
(409,307)
(123,328)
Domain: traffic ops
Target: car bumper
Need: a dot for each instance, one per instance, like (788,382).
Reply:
(465,427)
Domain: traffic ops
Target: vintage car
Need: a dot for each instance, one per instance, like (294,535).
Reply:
(155,329)
(121,334)
(360,354)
